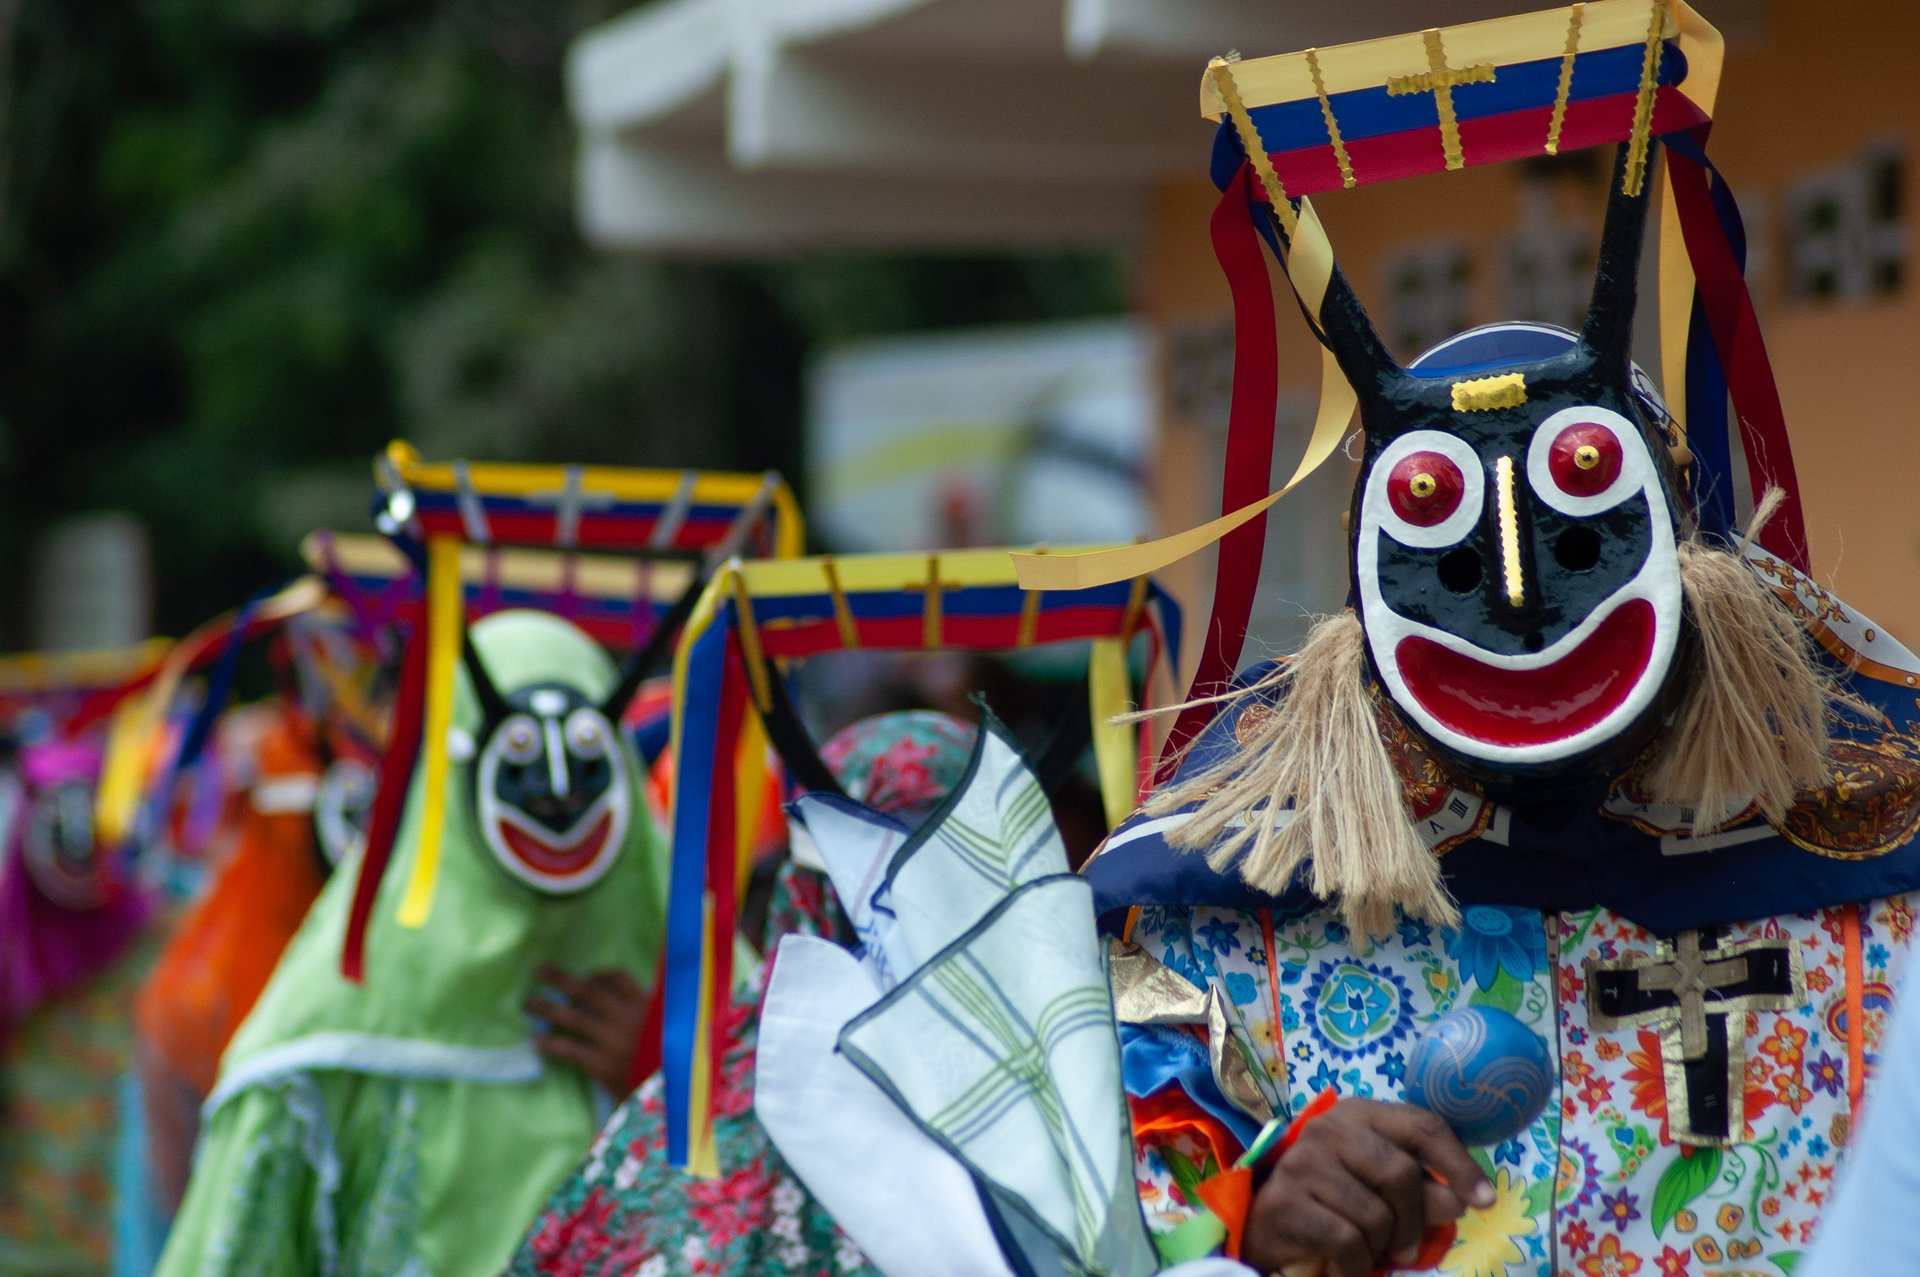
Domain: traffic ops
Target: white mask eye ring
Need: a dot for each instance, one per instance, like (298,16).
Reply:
(1607,442)
(587,734)
(1467,469)
(519,739)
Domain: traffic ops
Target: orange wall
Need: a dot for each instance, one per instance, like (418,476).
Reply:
(1806,88)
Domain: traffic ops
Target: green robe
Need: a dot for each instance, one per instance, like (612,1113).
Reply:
(406,1125)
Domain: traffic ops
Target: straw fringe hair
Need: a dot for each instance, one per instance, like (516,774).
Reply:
(1752,726)
(1322,761)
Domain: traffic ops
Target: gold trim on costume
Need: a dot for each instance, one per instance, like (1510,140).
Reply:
(1636,174)
(1221,71)
(750,647)
(1136,604)
(933,630)
(1147,991)
(842,610)
(1233,1070)
(1690,973)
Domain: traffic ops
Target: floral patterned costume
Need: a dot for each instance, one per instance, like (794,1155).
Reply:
(1597,1186)
(1581,918)
(75,940)
(60,1116)
(627,1211)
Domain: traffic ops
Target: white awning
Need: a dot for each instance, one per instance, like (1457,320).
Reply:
(756,126)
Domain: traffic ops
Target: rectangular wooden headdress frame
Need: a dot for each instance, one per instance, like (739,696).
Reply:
(432,509)
(756,615)
(1441,99)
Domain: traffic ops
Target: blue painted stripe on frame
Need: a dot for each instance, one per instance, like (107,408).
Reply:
(1519,86)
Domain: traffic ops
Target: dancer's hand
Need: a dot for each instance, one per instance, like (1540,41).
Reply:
(597,1028)
(1354,1193)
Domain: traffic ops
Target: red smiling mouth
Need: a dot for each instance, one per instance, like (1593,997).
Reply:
(1518,708)
(543,857)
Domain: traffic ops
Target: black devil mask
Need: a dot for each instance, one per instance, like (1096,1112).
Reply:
(550,785)
(1513,538)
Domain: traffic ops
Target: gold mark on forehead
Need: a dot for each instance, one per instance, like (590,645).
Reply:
(1484,394)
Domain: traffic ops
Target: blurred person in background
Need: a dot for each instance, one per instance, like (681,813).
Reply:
(225,947)
(407,1123)
(76,934)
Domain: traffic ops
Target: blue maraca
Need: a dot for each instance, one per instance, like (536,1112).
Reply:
(1484,1072)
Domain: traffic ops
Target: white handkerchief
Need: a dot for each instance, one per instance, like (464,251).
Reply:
(910,1207)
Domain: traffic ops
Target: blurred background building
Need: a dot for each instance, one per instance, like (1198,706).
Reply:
(943,262)
(718,130)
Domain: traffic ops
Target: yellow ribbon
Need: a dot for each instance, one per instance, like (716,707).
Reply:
(443,625)
(1104,567)
(1113,742)
(1309,269)
(702,1161)
(136,728)
(750,771)
(129,750)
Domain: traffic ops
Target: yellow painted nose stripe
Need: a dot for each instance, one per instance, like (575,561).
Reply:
(1509,533)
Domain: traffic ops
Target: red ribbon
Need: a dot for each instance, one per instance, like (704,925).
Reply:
(1743,356)
(722,865)
(383,823)
(1249,454)
(647,1049)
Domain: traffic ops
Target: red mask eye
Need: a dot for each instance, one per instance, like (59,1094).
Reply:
(1584,460)
(1424,488)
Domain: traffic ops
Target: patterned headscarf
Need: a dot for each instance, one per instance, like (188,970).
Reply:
(903,763)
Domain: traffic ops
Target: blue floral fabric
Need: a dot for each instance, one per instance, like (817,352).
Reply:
(1597,1186)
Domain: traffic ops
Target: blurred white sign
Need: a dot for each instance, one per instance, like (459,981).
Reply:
(94,587)
(989,437)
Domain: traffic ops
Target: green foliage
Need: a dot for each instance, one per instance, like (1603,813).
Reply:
(244,243)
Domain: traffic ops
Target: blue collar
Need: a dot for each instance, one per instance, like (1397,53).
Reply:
(1573,854)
